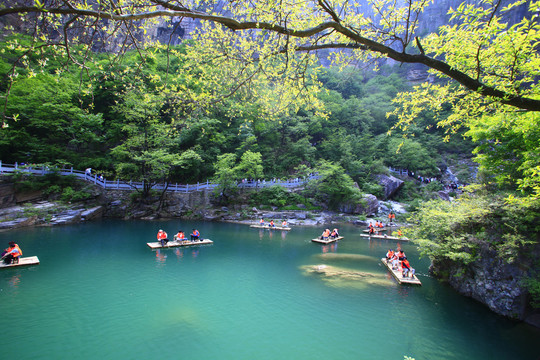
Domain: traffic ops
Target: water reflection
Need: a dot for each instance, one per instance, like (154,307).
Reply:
(160,258)
(14,281)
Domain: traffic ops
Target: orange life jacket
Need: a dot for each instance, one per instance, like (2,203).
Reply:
(326,233)
(405,264)
(390,254)
(196,233)
(17,251)
(161,235)
(180,235)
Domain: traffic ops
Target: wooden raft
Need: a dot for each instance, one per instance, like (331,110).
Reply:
(376,229)
(386,237)
(176,243)
(327,241)
(397,274)
(270,227)
(25,261)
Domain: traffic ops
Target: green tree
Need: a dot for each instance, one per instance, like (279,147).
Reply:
(333,187)
(144,155)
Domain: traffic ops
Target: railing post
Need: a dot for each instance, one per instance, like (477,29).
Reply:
(72,169)
(118,183)
(16,166)
(197,186)
(187,187)
(1,167)
(175,187)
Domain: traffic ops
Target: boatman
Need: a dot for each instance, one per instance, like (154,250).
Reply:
(12,253)
(162,237)
(195,235)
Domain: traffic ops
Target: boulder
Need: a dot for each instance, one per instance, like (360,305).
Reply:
(93,213)
(369,205)
(390,185)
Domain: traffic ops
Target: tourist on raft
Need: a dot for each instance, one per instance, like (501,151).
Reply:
(325,234)
(11,254)
(334,233)
(180,236)
(162,237)
(261,222)
(195,234)
(284,223)
(406,268)
(271,223)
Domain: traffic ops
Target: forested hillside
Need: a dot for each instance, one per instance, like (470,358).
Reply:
(247,97)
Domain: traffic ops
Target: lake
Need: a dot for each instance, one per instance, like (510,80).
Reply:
(101,293)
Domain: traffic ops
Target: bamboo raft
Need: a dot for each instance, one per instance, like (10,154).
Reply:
(386,237)
(24,261)
(271,227)
(327,240)
(377,229)
(176,243)
(397,274)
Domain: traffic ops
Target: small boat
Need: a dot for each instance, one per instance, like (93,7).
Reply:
(176,243)
(386,237)
(24,261)
(327,240)
(270,227)
(399,276)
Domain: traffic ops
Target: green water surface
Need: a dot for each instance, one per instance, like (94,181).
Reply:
(101,293)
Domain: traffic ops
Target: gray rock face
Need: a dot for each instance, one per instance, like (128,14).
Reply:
(390,185)
(491,281)
(370,205)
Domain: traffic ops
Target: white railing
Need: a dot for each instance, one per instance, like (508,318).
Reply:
(132,185)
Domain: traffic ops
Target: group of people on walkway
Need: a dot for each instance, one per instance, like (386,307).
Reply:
(399,261)
(162,236)
(12,254)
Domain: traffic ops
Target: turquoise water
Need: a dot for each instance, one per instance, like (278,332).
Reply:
(101,293)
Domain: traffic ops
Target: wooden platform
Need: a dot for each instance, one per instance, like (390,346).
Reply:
(175,243)
(25,261)
(386,237)
(270,227)
(399,277)
(327,241)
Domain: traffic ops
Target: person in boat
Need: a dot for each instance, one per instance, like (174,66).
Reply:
(401,255)
(406,268)
(371,230)
(325,234)
(162,237)
(284,223)
(334,233)
(11,254)
(272,223)
(379,224)
(261,222)
(180,236)
(195,234)
(390,254)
